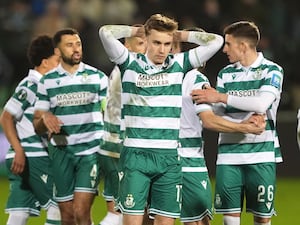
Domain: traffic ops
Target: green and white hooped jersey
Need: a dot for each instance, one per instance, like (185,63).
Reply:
(151,94)
(21,107)
(151,100)
(111,141)
(190,133)
(237,148)
(76,100)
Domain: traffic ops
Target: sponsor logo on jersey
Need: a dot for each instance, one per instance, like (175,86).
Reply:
(204,183)
(121,175)
(44,178)
(243,93)
(156,80)
(269,204)
(30,83)
(73,99)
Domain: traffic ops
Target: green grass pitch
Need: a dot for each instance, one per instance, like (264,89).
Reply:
(287,206)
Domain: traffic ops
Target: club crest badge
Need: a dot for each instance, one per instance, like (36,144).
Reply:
(85,78)
(129,203)
(22,94)
(257,74)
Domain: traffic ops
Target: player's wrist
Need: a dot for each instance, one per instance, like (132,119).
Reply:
(222,98)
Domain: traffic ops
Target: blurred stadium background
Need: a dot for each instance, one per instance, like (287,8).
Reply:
(278,20)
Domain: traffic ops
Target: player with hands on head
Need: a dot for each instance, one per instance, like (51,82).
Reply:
(151,100)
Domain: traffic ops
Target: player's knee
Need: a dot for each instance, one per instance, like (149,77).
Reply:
(67,213)
(81,212)
(111,219)
(17,218)
(262,221)
(258,223)
(231,220)
(53,213)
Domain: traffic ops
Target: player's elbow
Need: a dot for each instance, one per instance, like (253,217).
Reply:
(261,108)
(219,41)
(6,118)
(208,120)
(1,119)
(101,31)
(208,124)
(104,32)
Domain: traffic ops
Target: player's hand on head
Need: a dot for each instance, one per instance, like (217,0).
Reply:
(140,32)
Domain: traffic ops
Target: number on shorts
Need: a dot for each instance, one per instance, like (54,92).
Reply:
(262,192)
(178,187)
(93,172)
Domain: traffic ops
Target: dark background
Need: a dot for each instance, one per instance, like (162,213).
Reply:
(278,20)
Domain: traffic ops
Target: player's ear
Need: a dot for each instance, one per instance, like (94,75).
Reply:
(243,45)
(57,52)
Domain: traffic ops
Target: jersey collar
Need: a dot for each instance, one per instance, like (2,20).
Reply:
(34,76)
(61,70)
(255,64)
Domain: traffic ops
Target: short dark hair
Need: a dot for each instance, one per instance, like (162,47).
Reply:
(244,29)
(57,36)
(40,48)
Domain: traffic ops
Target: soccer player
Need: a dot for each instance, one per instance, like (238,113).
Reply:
(68,109)
(246,163)
(196,187)
(28,163)
(151,100)
(111,142)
